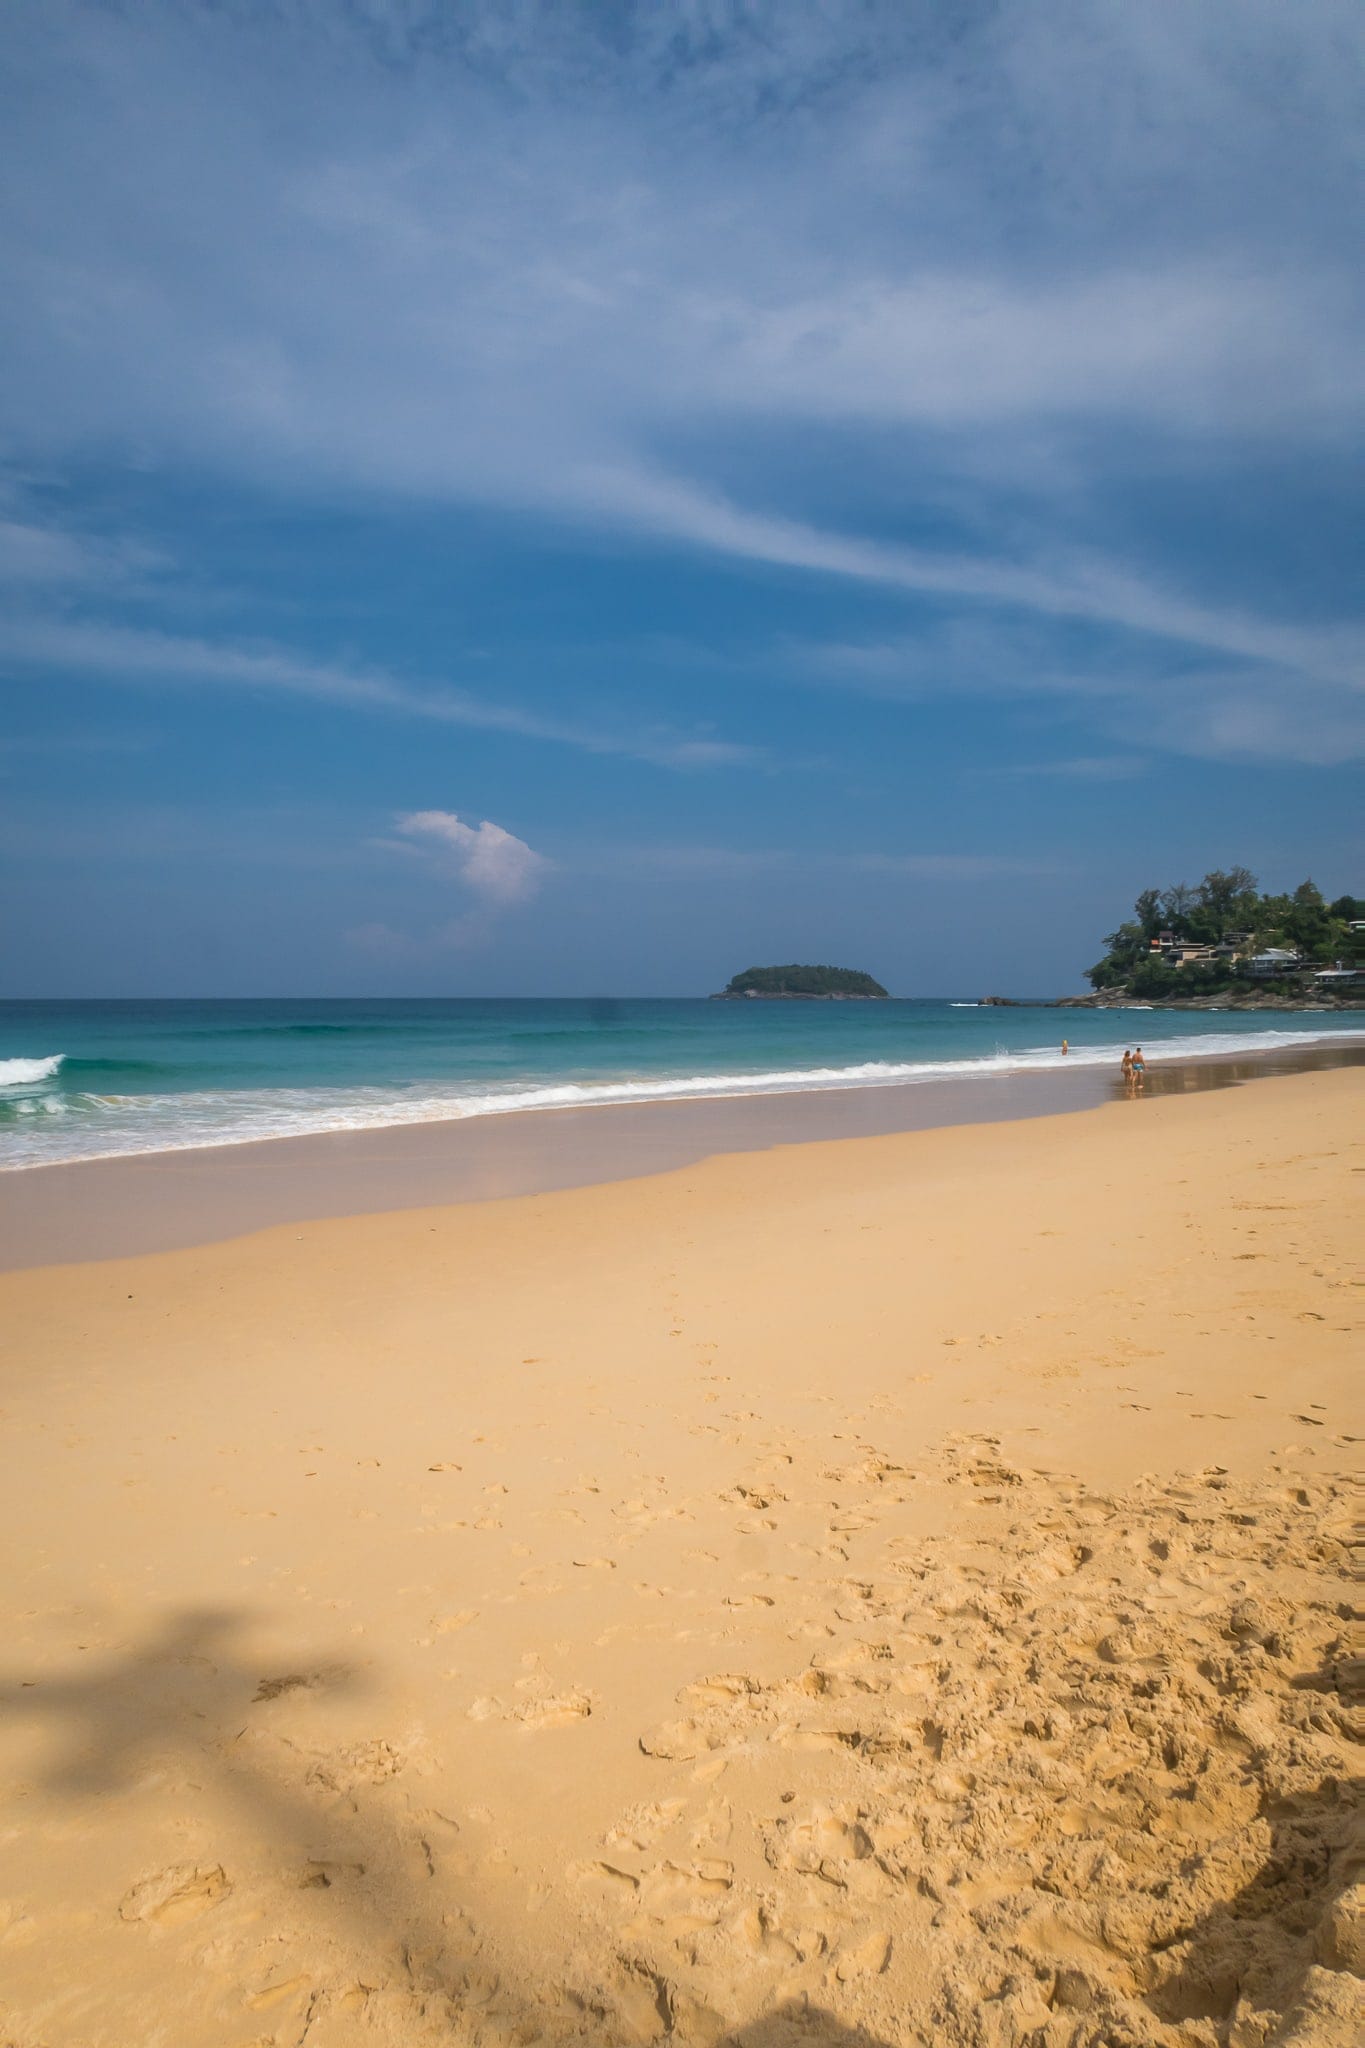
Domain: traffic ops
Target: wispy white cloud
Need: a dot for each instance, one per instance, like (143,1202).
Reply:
(1071,587)
(44,556)
(136,655)
(1245,717)
(952,348)
(1171,700)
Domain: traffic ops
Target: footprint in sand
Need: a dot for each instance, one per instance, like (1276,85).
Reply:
(642,2003)
(759,1930)
(644,1824)
(448,1624)
(559,1710)
(685,1897)
(865,1958)
(714,1829)
(611,1875)
(724,1689)
(271,1995)
(682,1741)
(318,1875)
(181,1892)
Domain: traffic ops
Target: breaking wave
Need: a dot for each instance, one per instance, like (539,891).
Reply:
(27,1073)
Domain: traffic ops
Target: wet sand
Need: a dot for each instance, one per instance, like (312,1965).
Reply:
(117,1207)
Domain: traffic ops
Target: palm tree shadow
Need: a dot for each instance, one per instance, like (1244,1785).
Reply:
(175,1693)
(190,1709)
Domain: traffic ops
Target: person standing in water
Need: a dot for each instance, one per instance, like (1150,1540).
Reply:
(1066,1045)
(1139,1066)
(1126,1066)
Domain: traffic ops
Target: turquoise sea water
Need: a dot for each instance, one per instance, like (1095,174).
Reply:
(92,1080)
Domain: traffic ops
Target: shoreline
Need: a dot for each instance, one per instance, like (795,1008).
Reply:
(1236,1005)
(70,1212)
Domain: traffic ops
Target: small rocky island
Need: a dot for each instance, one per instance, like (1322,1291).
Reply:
(807,984)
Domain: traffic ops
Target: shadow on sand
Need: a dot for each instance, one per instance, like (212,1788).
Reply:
(1261,1943)
(189,1708)
(794,2025)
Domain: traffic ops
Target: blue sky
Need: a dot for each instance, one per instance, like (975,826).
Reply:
(526,499)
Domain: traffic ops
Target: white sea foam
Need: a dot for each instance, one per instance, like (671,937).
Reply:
(26,1073)
(113,1126)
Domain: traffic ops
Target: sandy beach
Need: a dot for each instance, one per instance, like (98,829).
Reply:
(888,1590)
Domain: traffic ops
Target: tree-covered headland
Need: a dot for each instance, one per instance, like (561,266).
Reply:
(1227,922)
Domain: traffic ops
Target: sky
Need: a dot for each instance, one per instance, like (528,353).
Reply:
(534,499)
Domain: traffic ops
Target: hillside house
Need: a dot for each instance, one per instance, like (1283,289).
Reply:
(1176,952)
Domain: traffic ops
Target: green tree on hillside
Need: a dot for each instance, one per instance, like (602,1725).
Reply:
(1308,918)
(1227,900)
(1149,912)
(1176,904)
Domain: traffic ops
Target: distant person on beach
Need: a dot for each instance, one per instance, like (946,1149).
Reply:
(1126,1065)
(1066,1045)
(1139,1066)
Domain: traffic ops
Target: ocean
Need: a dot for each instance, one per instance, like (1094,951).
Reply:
(91,1080)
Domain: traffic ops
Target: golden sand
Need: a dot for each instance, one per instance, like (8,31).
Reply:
(889,1591)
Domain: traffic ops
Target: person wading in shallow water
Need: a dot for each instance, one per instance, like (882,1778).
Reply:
(1126,1066)
(1139,1067)
(1066,1045)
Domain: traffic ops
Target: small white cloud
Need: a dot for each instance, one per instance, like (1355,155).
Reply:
(48,556)
(494,863)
